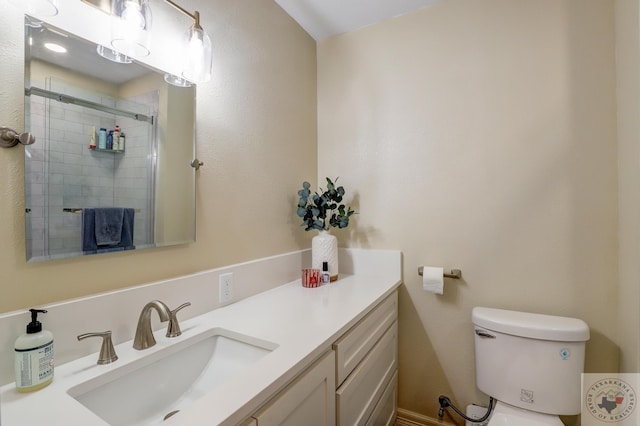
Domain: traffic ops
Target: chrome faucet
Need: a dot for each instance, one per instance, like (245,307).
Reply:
(144,335)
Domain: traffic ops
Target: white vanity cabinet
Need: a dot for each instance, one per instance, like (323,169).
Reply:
(308,401)
(331,350)
(366,369)
(353,384)
(384,414)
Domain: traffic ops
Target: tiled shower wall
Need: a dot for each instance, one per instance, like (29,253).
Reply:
(63,175)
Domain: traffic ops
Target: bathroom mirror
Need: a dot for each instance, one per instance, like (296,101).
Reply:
(74,99)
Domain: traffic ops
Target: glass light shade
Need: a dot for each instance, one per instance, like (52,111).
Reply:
(38,7)
(131,27)
(113,55)
(198,59)
(174,80)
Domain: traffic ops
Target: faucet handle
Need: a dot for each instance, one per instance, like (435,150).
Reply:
(107,352)
(173,329)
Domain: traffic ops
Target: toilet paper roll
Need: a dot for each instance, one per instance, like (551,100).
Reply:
(433,279)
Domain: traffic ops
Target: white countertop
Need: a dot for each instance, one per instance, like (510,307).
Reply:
(303,323)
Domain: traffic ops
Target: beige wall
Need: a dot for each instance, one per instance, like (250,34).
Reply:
(175,220)
(481,136)
(628,98)
(256,134)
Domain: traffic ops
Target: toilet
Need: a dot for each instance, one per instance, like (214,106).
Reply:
(531,364)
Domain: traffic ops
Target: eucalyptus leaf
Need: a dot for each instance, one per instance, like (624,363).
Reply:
(325,209)
(304,193)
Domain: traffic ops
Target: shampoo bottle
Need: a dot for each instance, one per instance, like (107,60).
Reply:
(116,138)
(92,138)
(34,356)
(102,138)
(110,140)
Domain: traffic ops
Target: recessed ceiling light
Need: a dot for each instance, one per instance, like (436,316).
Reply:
(55,48)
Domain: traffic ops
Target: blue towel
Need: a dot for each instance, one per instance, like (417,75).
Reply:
(108,225)
(90,231)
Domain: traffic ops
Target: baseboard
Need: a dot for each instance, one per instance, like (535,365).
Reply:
(409,418)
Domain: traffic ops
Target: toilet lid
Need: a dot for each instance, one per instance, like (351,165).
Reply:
(508,415)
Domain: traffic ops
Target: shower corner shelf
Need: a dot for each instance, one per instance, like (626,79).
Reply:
(113,151)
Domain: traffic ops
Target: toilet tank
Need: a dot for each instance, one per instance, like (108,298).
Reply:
(532,361)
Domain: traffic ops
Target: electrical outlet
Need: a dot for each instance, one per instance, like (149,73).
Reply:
(225,288)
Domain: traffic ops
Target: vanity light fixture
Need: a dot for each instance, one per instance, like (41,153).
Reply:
(174,80)
(198,59)
(113,55)
(130,37)
(130,27)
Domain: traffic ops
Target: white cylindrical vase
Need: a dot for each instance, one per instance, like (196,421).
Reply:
(324,248)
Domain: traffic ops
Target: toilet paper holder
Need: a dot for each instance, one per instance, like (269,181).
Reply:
(455,273)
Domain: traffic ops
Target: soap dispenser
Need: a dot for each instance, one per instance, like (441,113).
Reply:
(34,356)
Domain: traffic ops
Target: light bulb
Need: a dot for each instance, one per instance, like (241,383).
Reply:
(196,39)
(132,14)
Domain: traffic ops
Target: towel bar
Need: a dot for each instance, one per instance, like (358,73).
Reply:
(455,273)
(79,210)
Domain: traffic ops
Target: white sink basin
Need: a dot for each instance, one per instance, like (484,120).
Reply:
(145,391)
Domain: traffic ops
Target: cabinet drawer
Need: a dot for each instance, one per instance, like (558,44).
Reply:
(359,394)
(355,343)
(385,412)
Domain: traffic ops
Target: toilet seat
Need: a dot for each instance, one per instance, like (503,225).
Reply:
(508,415)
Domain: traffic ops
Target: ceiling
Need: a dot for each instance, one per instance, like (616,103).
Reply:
(326,18)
